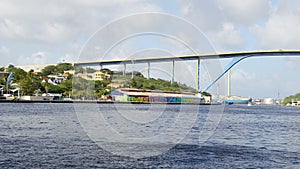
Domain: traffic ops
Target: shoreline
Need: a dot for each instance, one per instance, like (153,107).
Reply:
(97,101)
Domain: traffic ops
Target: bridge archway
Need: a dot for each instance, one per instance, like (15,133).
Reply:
(237,57)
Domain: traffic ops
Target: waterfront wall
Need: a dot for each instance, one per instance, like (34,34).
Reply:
(157,99)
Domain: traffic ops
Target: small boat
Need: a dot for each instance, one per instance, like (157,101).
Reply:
(238,100)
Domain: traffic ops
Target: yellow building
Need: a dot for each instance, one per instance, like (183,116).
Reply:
(100,76)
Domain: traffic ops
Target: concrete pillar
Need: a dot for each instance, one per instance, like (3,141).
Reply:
(148,70)
(173,71)
(198,69)
(124,71)
(229,83)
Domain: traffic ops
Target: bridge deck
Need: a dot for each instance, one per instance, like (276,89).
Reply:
(194,57)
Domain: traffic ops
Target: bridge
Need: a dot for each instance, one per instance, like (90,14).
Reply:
(236,57)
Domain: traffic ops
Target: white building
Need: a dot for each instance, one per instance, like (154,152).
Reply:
(269,101)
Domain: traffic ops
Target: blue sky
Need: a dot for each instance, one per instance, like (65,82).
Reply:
(42,32)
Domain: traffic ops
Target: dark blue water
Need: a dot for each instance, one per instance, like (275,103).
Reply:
(40,135)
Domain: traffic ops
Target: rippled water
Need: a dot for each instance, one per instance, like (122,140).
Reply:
(36,135)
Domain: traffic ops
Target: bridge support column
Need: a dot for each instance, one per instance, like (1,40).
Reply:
(173,71)
(148,70)
(124,71)
(132,75)
(198,69)
(132,71)
(229,83)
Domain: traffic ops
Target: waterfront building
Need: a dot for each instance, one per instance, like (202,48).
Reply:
(154,96)
(295,102)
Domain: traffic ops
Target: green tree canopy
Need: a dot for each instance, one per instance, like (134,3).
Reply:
(61,67)
(48,70)
(30,83)
(56,69)
(90,70)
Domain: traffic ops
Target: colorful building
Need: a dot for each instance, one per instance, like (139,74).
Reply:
(154,96)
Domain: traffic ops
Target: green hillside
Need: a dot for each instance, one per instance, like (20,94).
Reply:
(289,99)
(140,82)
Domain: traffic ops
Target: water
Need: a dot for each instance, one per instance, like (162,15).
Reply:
(40,135)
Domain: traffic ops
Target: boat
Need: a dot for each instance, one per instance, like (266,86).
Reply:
(238,100)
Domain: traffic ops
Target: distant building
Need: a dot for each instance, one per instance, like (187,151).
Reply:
(84,76)
(71,72)
(114,85)
(57,79)
(295,102)
(269,101)
(100,76)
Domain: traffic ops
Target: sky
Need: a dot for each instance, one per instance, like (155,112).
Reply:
(50,32)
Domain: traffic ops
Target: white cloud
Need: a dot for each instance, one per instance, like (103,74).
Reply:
(263,85)
(35,58)
(11,29)
(240,75)
(227,38)
(62,21)
(54,32)
(105,4)
(5,55)
(281,31)
(57,25)
(246,11)
(204,14)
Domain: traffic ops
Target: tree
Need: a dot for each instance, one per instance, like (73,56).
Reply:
(289,99)
(30,83)
(138,74)
(61,67)
(46,86)
(79,69)
(133,83)
(205,93)
(90,70)
(48,70)
(66,86)
(55,89)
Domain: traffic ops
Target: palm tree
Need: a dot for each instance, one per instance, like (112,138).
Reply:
(46,85)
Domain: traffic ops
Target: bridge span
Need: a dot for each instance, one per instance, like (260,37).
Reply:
(236,57)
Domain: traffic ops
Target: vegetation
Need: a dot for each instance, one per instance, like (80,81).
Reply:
(158,84)
(205,93)
(30,83)
(33,83)
(289,99)
(55,70)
